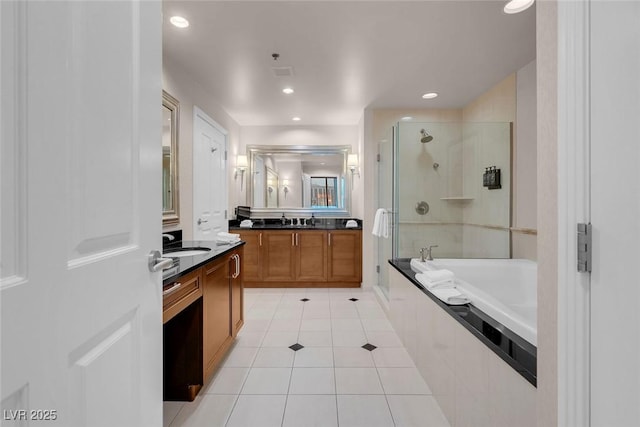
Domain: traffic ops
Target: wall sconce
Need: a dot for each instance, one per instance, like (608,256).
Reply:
(285,187)
(269,187)
(352,164)
(241,165)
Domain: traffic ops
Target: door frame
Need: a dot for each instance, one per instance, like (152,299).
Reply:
(573,174)
(198,113)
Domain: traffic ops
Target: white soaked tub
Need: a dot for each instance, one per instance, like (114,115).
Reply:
(504,289)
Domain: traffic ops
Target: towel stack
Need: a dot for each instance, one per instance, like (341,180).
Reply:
(226,238)
(441,283)
(433,279)
(381,223)
(246,223)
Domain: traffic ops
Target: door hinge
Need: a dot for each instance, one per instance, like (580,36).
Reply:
(378,157)
(584,248)
(377,269)
(225,155)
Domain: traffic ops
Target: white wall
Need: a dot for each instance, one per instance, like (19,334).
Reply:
(188,92)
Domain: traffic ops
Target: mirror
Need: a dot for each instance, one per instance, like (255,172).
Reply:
(310,179)
(170,196)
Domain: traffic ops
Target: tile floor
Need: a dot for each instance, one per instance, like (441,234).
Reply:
(331,381)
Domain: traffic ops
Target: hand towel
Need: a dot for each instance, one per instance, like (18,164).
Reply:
(227,237)
(381,224)
(247,223)
(451,296)
(439,275)
(447,283)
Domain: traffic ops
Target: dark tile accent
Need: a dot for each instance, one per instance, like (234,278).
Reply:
(296,347)
(353,299)
(304,299)
(369,347)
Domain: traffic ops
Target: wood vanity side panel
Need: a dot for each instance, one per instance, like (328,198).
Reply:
(216,330)
(345,256)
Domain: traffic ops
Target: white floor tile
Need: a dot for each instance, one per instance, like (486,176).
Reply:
(255,326)
(249,339)
(284,325)
(319,313)
(376,325)
(392,357)
(312,381)
(352,357)
(315,338)
(348,338)
(227,381)
(287,313)
(257,411)
(169,412)
(346,325)
(274,357)
(311,411)
(206,410)
(357,381)
(402,381)
(344,313)
(280,338)
(364,411)
(314,357)
(240,357)
(411,411)
(371,313)
(315,324)
(383,338)
(267,381)
(259,313)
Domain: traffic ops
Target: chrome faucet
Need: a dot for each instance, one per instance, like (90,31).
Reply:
(427,251)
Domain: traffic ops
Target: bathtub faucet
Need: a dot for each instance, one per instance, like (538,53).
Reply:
(427,251)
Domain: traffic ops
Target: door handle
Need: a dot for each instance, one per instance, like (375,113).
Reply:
(157,263)
(329,239)
(260,238)
(293,241)
(201,221)
(237,265)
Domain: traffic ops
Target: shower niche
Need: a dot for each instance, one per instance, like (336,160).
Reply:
(465,218)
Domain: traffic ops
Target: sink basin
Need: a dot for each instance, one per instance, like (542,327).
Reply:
(180,252)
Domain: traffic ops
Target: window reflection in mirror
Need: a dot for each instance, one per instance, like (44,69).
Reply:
(311,178)
(170,196)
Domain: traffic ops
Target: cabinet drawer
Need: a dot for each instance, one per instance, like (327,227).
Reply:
(178,294)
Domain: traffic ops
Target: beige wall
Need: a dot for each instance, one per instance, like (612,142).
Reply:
(547,153)
(189,93)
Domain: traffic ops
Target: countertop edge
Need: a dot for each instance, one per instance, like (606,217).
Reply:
(194,262)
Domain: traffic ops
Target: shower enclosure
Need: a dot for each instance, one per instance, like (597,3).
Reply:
(447,184)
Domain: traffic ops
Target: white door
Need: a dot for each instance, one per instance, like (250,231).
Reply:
(209,177)
(80,210)
(615,213)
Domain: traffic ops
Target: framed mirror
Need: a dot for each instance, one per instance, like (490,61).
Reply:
(170,193)
(302,178)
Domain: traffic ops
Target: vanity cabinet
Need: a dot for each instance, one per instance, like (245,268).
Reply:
(299,258)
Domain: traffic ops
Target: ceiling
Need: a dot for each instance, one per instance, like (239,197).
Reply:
(346,55)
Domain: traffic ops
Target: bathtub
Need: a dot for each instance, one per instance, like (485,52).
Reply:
(504,289)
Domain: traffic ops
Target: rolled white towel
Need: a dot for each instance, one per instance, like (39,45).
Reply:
(381,223)
(227,237)
(447,283)
(247,223)
(451,296)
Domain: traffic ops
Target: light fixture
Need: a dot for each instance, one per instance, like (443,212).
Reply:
(296,119)
(517,6)
(241,165)
(285,187)
(179,21)
(288,90)
(352,164)
(406,118)
(429,95)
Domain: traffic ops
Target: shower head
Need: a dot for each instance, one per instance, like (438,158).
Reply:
(425,136)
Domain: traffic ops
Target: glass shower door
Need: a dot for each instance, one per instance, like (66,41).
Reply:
(385,201)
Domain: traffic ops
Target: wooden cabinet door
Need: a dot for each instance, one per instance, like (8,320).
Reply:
(237,266)
(345,255)
(311,257)
(216,328)
(279,252)
(252,258)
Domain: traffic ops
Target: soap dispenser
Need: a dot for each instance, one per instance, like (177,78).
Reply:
(313,220)
(283,220)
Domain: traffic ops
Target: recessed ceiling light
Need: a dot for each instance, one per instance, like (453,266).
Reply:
(296,119)
(406,118)
(516,6)
(179,21)
(429,95)
(288,90)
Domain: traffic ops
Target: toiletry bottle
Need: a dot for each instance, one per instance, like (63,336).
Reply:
(283,220)
(313,220)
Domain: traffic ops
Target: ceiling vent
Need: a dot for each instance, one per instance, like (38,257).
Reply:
(282,71)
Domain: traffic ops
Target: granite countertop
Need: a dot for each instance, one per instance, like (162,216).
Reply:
(276,224)
(187,264)
(520,354)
